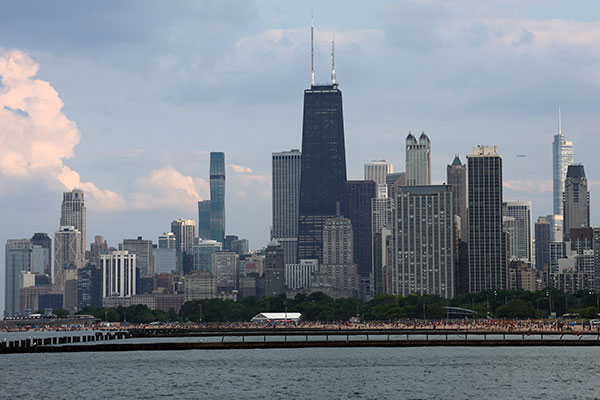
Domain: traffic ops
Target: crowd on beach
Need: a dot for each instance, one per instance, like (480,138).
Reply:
(473,325)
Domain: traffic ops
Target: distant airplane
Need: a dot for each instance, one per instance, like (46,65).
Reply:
(521,155)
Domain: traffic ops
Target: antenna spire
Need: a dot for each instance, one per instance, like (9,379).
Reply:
(333,60)
(312,49)
(559,122)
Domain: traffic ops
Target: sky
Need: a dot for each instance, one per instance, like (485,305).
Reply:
(126,99)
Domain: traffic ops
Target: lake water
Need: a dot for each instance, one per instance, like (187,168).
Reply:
(332,373)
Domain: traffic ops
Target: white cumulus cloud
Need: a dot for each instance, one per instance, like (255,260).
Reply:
(35,136)
(167,187)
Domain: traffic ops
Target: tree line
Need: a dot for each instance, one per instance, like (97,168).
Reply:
(320,307)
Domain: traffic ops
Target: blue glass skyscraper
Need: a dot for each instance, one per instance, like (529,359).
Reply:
(217,196)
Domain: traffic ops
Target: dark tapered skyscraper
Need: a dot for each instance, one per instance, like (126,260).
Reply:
(217,196)
(323,169)
(576,200)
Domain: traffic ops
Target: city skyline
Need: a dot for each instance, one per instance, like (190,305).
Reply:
(132,194)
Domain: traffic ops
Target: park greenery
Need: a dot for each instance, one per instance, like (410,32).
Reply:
(319,307)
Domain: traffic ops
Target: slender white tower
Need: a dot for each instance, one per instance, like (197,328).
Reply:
(562,157)
(333,60)
(312,50)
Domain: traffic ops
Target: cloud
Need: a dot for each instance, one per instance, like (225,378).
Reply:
(167,187)
(529,185)
(240,169)
(36,137)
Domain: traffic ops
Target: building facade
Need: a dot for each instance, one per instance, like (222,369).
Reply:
(377,171)
(274,269)
(424,241)
(360,196)
(185,232)
(542,243)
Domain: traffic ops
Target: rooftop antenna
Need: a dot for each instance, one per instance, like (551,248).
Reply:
(559,122)
(312,49)
(333,60)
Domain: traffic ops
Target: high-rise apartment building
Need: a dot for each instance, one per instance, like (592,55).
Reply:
(144,256)
(217,196)
(424,235)
(118,274)
(576,200)
(487,247)
(456,175)
(18,257)
(184,231)
(73,213)
(418,160)
(323,167)
(286,166)
(377,171)
(562,157)
(521,211)
(67,254)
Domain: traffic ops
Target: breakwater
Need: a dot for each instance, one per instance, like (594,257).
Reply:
(203,339)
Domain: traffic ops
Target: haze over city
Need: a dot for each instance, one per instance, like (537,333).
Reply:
(126,100)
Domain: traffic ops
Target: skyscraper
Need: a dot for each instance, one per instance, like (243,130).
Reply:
(67,254)
(217,196)
(118,274)
(17,255)
(204,230)
(323,167)
(184,231)
(274,271)
(144,256)
(42,245)
(456,175)
(562,157)
(73,213)
(286,167)
(360,195)
(521,211)
(487,247)
(418,160)
(576,200)
(424,235)
(377,171)
(542,243)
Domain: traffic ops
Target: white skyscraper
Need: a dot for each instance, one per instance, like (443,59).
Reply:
(118,274)
(562,157)
(73,213)
(522,237)
(418,160)
(286,193)
(378,171)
